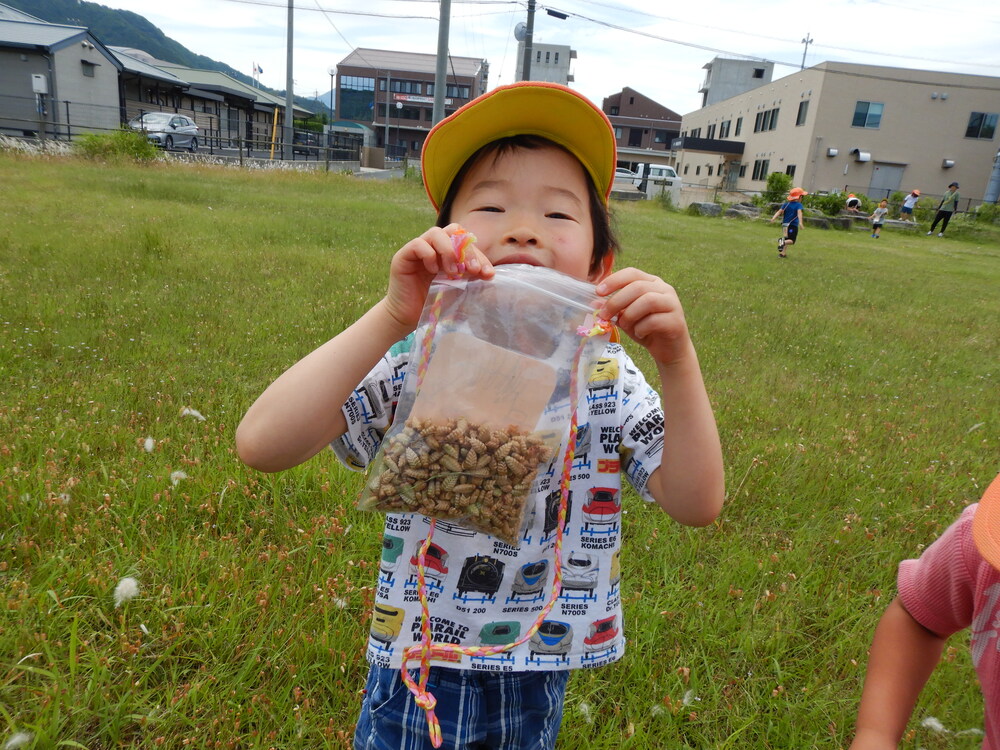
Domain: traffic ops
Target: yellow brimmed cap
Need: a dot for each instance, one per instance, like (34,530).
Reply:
(986,524)
(549,110)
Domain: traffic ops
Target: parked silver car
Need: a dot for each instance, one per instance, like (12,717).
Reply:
(167,129)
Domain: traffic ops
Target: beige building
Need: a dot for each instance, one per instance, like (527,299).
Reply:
(841,126)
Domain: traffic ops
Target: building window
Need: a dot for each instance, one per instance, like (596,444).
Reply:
(867,115)
(88,68)
(790,170)
(659,136)
(548,56)
(711,131)
(739,126)
(556,56)
(697,170)
(538,56)
(614,111)
(685,169)
(800,118)
(635,137)
(618,134)
(724,128)
(767,120)
(356,98)
(743,170)
(696,132)
(709,171)
(758,72)
(760,169)
(982,125)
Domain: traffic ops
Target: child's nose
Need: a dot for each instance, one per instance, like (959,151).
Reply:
(521,235)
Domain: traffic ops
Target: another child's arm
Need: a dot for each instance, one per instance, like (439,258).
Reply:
(300,412)
(689,484)
(903,655)
(801,220)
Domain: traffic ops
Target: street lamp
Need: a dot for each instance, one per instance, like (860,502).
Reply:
(329,127)
(399,107)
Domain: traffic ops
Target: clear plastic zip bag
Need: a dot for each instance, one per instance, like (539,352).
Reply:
(485,401)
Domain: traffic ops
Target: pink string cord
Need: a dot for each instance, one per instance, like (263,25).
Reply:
(426,650)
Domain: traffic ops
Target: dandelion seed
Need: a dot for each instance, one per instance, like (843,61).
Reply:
(657,710)
(934,725)
(127,588)
(586,713)
(973,731)
(143,628)
(18,739)
(689,698)
(340,603)
(188,412)
(149,445)
(177,476)
(64,498)
(975,427)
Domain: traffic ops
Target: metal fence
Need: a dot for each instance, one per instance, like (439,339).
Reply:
(230,132)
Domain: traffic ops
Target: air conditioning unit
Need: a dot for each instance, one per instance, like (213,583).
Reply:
(860,155)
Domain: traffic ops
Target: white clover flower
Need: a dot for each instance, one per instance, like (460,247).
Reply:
(149,445)
(188,412)
(18,739)
(127,588)
(934,725)
(177,476)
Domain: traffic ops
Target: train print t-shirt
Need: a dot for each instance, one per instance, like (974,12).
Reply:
(485,592)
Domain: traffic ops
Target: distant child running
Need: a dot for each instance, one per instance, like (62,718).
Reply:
(953,585)
(878,217)
(528,169)
(909,203)
(791,219)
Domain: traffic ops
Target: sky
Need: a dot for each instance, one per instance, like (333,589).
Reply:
(657,48)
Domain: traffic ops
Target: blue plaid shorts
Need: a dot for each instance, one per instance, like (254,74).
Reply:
(496,710)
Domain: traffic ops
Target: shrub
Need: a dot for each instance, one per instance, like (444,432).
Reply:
(778,185)
(121,145)
(987,213)
(665,200)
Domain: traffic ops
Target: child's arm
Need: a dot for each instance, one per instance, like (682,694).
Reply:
(689,484)
(777,214)
(801,220)
(300,412)
(903,655)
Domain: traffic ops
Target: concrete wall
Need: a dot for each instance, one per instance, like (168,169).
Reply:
(18,112)
(923,123)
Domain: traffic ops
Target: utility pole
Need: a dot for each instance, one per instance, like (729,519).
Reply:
(807,41)
(441,71)
(528,32)
(289,95)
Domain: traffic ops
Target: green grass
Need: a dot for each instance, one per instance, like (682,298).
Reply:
(855,385)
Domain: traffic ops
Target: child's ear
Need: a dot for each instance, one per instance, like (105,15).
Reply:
(604,270)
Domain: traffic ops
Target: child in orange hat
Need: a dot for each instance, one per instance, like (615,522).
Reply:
(791,219)
(909,203)
(955,584)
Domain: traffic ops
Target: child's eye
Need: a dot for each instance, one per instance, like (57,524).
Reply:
(491,209)
(558,215)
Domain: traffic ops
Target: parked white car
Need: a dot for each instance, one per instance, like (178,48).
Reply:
(167,130)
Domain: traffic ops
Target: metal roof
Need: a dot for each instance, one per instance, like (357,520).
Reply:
(214,80)
(37,33)
(416,62)
(134,65)
(13,14)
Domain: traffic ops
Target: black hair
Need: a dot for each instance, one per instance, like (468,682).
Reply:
(605,242)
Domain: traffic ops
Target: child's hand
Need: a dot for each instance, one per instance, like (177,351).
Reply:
(415,265)
(649,311)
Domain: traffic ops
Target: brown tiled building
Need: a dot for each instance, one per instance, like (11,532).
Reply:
(644,128)
(392,94)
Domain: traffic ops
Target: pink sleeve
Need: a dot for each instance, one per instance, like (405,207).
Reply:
(938,589)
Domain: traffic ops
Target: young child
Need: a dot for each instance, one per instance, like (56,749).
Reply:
(909,203)
(528,169)
(853,203)
(877,217)
(955,584)
(791,219)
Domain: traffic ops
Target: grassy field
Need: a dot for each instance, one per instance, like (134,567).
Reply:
(142,309)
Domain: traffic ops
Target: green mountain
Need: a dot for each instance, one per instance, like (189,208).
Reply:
(123,28)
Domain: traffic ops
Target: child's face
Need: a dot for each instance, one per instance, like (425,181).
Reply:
(530,206)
